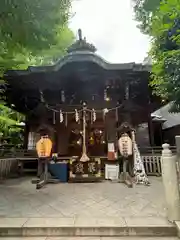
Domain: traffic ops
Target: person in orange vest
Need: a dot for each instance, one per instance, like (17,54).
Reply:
(44,149)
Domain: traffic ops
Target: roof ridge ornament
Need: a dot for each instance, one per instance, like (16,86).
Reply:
(80,34)
(81,44)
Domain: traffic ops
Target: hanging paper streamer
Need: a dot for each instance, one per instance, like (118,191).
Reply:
(105,94)
(93,115)
(76,115)
(62,96)
(105,111)
(61,116)
(42,97)
(54,117)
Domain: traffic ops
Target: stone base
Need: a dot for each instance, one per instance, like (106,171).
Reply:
(86,227)
(125,178)
(89,179)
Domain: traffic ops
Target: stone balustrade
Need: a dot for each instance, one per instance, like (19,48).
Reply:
(170,183)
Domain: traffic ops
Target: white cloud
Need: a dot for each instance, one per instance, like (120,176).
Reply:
(109,25)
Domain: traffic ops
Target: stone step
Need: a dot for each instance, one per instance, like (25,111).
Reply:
(89,238)
(86,227)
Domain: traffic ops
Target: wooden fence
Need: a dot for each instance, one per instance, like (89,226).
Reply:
(8,167)
(8,160)
(152,165)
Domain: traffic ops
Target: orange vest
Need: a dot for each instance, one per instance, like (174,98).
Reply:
(44,147)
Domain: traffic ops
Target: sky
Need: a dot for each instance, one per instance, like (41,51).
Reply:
(109,25)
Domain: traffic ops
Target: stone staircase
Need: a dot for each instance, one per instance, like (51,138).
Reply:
(87,229)
(89,238)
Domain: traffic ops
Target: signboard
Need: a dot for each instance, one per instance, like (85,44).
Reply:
(85,171)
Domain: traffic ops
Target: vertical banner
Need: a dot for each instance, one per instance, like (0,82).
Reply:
(111,151)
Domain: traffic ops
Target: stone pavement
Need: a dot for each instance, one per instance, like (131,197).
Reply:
(19,198)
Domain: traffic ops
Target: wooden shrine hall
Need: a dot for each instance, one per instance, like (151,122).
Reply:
(81,89)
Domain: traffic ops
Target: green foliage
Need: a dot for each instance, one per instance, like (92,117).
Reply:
(28,28)
(32,32)
(160,19)
(48,56)
(32,24)
(9,123)
(143,12)
(165,52)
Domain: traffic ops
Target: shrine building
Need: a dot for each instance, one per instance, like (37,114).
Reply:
(53,98)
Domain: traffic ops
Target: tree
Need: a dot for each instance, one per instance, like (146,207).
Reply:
(144,10)
(30,27)
(48,56)
(165,52)
(10,122)
(31,33)
(160,19)
(32,24)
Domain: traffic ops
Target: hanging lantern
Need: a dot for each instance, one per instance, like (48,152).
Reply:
(76,115)
(61,116)
(93,115)
(62,96)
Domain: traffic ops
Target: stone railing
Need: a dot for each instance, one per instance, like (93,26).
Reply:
(8,167)
(171,182)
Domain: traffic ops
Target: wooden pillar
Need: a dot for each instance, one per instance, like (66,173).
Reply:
(62,139)
(110,123)
(151,130)
(26,134)
(127,113)
(150,124)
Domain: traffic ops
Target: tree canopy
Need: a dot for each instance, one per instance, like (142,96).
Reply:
(28,28)
(163,26)
(31,33)
(144,10)
(165,51)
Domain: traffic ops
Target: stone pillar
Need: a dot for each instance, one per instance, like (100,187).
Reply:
(170,182)
(178,146)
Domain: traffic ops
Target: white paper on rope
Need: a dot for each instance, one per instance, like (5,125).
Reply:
(111,147)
